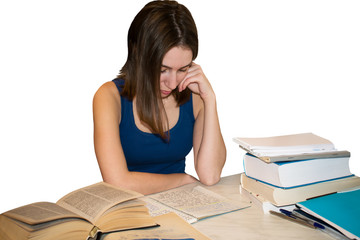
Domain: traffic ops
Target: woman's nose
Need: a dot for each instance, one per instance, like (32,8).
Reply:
(172,81)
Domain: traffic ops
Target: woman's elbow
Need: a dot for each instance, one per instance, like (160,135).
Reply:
(209,180)
(210,175)
(117,178)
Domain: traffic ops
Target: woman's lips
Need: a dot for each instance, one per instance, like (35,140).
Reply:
(166,93)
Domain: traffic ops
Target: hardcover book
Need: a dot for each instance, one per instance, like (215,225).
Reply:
(80,214)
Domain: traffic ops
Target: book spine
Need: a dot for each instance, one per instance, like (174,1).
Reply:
(93,233)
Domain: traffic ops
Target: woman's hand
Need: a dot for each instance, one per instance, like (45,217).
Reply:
(208,144)
(197,82)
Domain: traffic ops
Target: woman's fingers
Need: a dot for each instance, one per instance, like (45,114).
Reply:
(191,77)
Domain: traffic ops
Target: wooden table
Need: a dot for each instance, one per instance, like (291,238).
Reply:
(250,223)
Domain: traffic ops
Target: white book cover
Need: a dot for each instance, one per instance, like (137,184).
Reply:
(296,173)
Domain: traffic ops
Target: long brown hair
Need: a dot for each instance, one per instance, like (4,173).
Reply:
(158,27)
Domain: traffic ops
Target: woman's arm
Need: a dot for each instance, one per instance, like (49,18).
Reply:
(109,152)
(208,144)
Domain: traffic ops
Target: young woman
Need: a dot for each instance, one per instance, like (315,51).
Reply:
(160,107)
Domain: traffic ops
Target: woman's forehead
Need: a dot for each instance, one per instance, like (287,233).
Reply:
(177,57)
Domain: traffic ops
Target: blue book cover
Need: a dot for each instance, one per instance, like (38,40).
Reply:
(341,210)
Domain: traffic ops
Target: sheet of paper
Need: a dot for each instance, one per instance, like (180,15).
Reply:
(197,201)
(157,208)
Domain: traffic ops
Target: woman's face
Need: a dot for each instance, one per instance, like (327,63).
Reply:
(174,68)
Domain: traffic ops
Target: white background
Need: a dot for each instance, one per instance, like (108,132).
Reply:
(277,67)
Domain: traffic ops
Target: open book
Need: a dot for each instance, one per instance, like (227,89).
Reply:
(290,147)
(80,214)
(191,202)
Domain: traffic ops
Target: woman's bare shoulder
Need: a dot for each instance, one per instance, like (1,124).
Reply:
(107,97)
(107,89)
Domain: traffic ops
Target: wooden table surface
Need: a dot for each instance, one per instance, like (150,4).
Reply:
(250,223)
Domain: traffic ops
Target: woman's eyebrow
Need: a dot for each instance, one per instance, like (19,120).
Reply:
(188,65)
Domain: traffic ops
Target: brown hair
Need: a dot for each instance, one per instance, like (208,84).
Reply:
(158,27)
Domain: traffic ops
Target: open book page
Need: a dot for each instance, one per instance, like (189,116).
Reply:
(92,201)
(125,206)
(171,227)
(8,223)
(157,208)
(40,212)
(197,201)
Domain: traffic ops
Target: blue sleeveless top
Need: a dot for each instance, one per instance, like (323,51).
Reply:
(147,152)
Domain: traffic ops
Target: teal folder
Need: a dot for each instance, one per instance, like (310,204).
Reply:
(341,210)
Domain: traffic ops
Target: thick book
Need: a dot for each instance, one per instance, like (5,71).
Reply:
(80,214)
(263,204)
(340,210)
(290,147)
(296,173)
(171,227)
(283,197)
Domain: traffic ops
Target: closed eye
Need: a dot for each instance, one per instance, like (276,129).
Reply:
(184,69)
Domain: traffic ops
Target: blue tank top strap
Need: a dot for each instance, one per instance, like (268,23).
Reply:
(124,102)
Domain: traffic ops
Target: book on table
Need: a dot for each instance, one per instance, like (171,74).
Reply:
(296,173)
(282,197)
(171,227)
(262,203)
(192,202)
(290,147)
(80,214)
(340,210)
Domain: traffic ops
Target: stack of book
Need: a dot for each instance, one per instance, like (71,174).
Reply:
(284,170)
